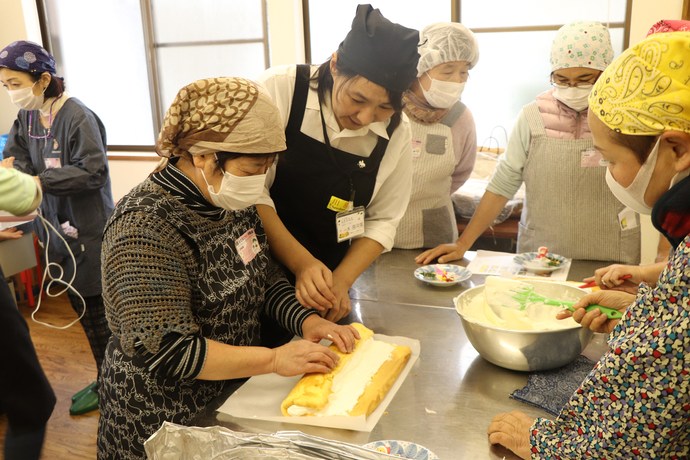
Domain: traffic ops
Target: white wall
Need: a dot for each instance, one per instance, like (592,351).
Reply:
(124,175)
(644,14)
(647,12)
(12,28)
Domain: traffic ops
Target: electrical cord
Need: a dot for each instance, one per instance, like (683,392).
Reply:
(58,280)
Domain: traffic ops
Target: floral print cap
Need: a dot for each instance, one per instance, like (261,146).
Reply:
(26,56)
(581,44)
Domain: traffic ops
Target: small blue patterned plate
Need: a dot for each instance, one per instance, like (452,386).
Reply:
(435,274)
(402,449)
(528,260)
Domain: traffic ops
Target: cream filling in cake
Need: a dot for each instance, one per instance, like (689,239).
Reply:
(350,382)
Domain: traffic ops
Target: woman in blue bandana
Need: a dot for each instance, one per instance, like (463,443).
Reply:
(62,142)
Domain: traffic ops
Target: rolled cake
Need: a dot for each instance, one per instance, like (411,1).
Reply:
(357,384)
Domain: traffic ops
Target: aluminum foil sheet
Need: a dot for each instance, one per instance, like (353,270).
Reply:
(176,442)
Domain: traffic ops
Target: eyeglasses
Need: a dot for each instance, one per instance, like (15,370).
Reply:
(50,125)
(577,84)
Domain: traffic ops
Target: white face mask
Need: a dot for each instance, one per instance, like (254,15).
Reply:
(633,195)
(574,97)
(443,94)
(236,192)
(24,98)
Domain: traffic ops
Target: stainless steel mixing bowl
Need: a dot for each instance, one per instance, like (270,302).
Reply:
(526,350)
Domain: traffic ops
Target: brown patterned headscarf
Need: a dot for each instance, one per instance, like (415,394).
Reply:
(223,114)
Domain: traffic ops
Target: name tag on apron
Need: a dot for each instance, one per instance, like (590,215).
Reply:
(416,148)
(52,163)
(248,246)
(626,219)
(590,158)
(350,224)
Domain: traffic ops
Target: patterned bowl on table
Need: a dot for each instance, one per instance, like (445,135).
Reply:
(429,274)
(402,449)
(528,261)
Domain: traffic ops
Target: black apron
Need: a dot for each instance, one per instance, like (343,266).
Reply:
(307,178)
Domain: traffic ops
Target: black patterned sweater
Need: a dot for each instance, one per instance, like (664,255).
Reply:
(173,276)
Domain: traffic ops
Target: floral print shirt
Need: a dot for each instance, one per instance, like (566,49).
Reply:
(636,401)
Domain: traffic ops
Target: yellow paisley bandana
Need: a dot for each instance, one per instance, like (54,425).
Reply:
(221,115)
(646,91)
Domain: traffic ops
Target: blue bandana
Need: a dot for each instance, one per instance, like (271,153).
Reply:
(25,56)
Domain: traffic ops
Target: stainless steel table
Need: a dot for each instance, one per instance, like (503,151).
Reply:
(449,398)
(391,279)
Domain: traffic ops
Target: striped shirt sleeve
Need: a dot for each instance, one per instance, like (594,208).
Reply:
(282,305)
(179,356)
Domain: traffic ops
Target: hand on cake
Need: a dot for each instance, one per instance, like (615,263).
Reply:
(355,386)
(512,431)
(302,356)
(316,329)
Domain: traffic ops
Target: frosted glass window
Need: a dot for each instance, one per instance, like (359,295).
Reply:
(505,80)
(181,65)
(178,21)
(104,63)
(512,13)
(330,21)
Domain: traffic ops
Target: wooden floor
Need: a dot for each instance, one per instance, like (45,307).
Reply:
(67,361)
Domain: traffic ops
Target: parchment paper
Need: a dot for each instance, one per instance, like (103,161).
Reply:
(260,397)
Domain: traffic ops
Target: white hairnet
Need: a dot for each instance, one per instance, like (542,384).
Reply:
(445,42)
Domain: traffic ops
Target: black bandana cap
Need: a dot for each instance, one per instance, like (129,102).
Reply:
(671,213)
(380,51)
(26,56)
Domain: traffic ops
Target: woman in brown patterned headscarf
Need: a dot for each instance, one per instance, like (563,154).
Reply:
(186,271)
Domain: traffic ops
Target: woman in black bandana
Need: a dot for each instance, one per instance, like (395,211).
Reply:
(350,150)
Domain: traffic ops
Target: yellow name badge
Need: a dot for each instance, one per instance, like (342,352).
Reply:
(337,204)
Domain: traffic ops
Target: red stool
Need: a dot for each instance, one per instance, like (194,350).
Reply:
(39,270)
(28,285)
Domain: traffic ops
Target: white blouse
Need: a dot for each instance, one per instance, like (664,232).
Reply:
(394,179)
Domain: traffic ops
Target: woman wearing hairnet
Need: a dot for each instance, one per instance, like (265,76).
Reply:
(444,140)
(635,403)
(567,207)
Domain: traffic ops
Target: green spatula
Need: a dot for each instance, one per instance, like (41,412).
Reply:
(516,295)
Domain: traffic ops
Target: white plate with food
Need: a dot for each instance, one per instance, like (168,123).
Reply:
(442,274)
(402,449)
(547,264)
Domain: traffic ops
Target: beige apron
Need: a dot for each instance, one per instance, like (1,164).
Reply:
(430,216)
(569,208)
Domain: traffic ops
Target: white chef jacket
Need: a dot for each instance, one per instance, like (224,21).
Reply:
(394,179)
